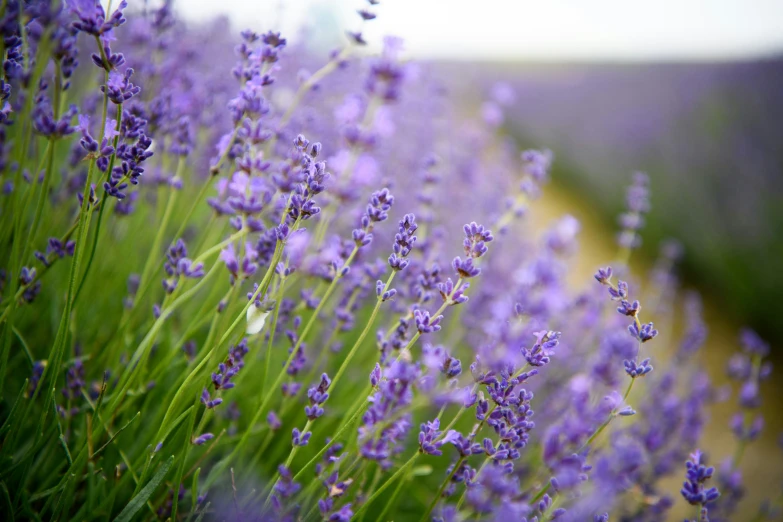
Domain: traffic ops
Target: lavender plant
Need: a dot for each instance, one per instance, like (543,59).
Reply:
(208,314)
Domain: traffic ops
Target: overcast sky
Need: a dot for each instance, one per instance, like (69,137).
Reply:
(537,30)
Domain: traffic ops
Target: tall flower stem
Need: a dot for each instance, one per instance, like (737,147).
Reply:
(103,204)
(393,497)
(356,415)
(10,230)
(397,474)
(261,290)
(58,348)
(442,488)
(272,331)
(154,255)
(50,152)
(139,357)
(363,335)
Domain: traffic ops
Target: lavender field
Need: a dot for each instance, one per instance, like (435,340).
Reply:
(245,277)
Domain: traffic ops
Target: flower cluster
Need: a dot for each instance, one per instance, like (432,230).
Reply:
(178,265)
(693,489)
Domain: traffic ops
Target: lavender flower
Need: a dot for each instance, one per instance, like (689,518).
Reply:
(300,439)
(178,265)
(376,211)
(693,489)
(637,204)
(403,242)
(429,441)
(539,354)
(317,396)
(119,88)
(203,438)
(426,323)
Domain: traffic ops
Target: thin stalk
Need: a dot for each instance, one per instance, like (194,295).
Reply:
(58,89)
(156,243)
(262,288)
(356,415)
(15,213)
(442,488)
(56,354)
(393,498)
(272,332)
(139,356)
(268,397)
(360,339)
(117,128)
(386,484)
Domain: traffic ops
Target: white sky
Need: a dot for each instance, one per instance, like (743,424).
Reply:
(532,29)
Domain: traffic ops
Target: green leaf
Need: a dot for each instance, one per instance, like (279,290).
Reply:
(139,500)
(194,490)
(5,499)
(14,410)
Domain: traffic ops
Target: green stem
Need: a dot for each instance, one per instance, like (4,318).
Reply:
(103,204)
(356,415)
(155,254)
(393,498)
(16,214)
(272,332)
(360,339)
(386,484)
(41,198)
(442,488)
(49,162)
(139,357)
(261,290)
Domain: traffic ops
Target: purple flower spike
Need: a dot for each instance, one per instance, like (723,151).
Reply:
(375,375)
(637,370)
(475,241)
(274,421)
(207,401)
(465,446)
(428,435)
(425,323)
(539,354)
(644,334)
(629,309)
(696,476)
(119,88)
(299,438)
(317,396)
(465,268)
(201,439)
(604,275)
(450,295)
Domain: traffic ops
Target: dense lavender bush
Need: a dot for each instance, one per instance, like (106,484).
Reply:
(240,293)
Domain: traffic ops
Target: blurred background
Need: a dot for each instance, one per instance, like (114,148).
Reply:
(689,91)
